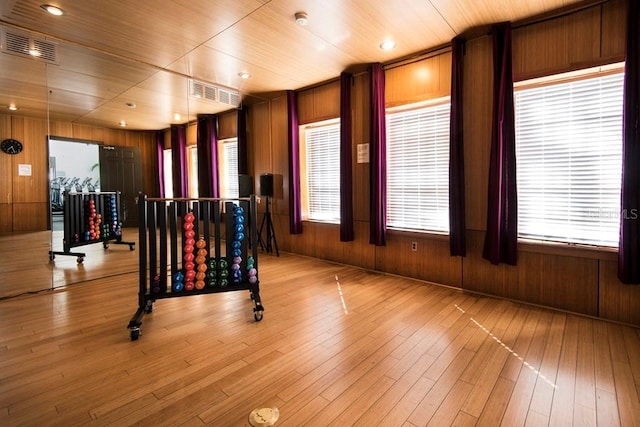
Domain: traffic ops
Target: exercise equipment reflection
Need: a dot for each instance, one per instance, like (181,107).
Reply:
(267,223)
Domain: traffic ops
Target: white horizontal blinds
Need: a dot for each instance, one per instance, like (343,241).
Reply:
(168,174)
(569,151)
(418,169)
(230,169)
(193,171)
(323,172)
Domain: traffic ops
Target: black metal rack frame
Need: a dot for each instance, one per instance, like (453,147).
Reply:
(75,218)
(162,251)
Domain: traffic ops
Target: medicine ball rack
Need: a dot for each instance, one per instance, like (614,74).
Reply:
(195,246)
(90,218)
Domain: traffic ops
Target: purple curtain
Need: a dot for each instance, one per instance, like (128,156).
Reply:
(160,161)
(501,240)
(243,147)
(208,184)
(179,160)
(346,163)
(295,202)
(629,244)
(457,223)
(378,158)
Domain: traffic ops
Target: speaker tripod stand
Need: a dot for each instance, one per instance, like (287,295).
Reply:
(270,232)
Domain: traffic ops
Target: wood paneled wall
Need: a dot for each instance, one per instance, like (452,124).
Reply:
(24,201)
(563,278)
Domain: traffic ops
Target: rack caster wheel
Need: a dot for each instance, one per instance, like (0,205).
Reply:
(149,308)
(52,257)
(257,315)
(131,247)
(105,246)
(135,334)
(80,259)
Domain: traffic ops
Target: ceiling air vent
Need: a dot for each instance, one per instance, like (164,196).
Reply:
(214,93)
(22,44)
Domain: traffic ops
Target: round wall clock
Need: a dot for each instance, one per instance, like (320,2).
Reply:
(11,146)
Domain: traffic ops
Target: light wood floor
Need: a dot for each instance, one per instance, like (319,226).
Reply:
(338,346)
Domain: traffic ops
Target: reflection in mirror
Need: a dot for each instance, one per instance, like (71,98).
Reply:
(92,190)
(84,94)
(74,166)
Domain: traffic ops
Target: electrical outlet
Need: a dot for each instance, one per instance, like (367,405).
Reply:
(414,246)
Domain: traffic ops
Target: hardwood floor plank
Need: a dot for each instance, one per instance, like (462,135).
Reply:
(361,368)
(464,420)
(409,402)
(489,375)
(564,393)
(451,406)
(240,405)
(546,380)
(518,406)
(363,403)
(483,344)
(626,389)
(436,394)
(585,384)
(414,368)
(494,409)
(295,411)
(306,413)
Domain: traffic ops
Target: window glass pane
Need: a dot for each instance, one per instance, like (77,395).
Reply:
(168,176)
(228,168)
(322,150)
(569,153)
(418,168)
(193,171)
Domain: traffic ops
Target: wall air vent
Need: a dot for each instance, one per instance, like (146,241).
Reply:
(27,46)
(214,93)
(229,97)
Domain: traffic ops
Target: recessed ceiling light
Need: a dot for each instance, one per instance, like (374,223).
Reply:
(12,107)
(54,10)
(131,104)
(244,75)
(301,18)
(387,45)
(122,124)
(177,116)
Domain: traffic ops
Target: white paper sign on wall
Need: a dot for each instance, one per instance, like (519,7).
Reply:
(24,170)
(363,153)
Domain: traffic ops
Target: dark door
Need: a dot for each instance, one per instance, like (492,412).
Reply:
(121,170)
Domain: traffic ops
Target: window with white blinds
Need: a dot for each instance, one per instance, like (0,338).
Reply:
(569,151)
(168,173)
(193,171)
(418,168)
(228,168)
(322,151)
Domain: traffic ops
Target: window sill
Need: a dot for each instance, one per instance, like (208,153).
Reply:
(567,249)
(434,235)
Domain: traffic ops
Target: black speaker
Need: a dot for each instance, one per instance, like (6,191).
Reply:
(245,185)
(266,185)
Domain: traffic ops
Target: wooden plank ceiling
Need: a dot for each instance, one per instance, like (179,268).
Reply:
(145,52)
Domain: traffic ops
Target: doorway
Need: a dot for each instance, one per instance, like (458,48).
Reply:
(74,166)
(121,170)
